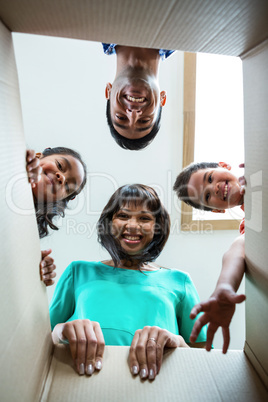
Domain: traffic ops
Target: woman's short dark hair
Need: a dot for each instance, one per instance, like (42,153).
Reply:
(182,181)
(47,211)
(135,194)
(135,144)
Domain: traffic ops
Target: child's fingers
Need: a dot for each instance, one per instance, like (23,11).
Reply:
(33,179)
(237,299)
(46,269)
(234,298)
(226,339)
(49,282)
(203,320)
(242,180)
(224,165)
(48,260)
(202,306)
(48,276)
(33,164)
(44,253)
(212,328)
(30,155)
(34,175)
(242,190)
(195,310)
(35,172)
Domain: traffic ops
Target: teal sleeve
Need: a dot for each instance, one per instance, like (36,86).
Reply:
(62,304)
(191,298)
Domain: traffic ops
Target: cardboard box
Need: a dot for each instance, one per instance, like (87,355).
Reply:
(31,370)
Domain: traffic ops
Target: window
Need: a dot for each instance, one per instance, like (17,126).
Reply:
(213,127)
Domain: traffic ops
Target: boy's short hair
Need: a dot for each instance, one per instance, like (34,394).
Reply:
(182,181)
(137,143)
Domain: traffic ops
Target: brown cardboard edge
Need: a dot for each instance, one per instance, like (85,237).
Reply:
(48,377)
(256,364)
(255,50)
(254,274)
(5,25)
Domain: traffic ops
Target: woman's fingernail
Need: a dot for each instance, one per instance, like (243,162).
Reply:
(81,369)
(98,365)
(151,374)
(90,369)
(134,370)
(143,373)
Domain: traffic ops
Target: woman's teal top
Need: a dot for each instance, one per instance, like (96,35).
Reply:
(124,300)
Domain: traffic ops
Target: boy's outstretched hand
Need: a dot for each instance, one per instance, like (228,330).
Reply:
(32,166)
(47,268)
(218,312)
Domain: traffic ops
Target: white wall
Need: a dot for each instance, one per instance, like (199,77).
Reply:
(62,85)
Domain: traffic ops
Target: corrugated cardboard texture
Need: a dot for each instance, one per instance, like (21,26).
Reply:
(186,375)
(25,335)
(256,328)
(226,26)
(255,68)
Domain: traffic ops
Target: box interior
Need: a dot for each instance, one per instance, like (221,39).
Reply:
(234,28)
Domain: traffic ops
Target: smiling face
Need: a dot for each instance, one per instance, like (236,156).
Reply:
(133,226)
(215,188)
(135,100)
(61,176)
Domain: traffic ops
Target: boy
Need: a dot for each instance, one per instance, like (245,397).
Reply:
(212,187)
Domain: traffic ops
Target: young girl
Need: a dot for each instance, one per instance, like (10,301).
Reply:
(56,175)
(127,300)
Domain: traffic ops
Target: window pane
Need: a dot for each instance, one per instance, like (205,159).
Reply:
(219,130)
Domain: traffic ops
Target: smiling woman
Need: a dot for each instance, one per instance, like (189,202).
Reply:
(133,210)
(133,227)
(127,300)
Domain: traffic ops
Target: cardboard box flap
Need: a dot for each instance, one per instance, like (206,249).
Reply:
(25,334)
(186,375)
(255,70)
(226,27)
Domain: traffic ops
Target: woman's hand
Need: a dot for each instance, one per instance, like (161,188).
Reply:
(47,268)
(147,348)
(32,166)
(86,343)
